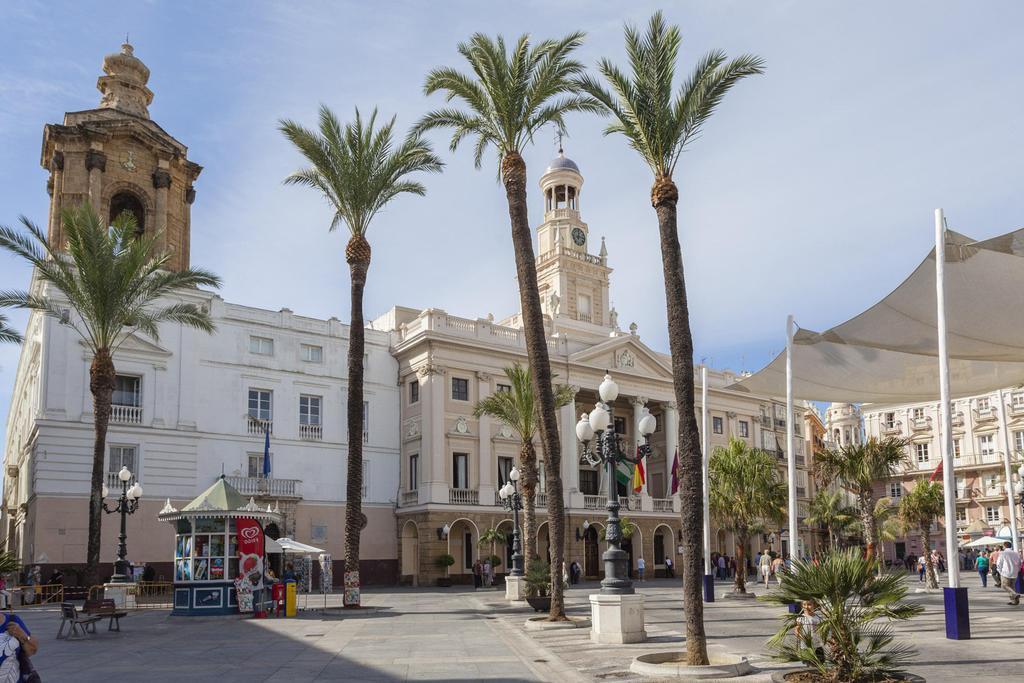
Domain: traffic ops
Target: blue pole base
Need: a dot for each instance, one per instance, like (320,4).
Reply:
(1018,585)
(958,623)
(709,588)
(794,608)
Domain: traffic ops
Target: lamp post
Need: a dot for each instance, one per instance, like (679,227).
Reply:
(127,504)
(609,452)
(513,502)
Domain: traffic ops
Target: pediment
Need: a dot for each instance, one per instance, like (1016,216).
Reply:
(625,354)
(137,345)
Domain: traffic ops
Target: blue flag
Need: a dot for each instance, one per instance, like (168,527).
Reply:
(266,452)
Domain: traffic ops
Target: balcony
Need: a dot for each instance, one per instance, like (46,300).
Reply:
(311,432)
(583,317)
(663,505)
(958,419)
(259,486)
(126,415)
(920,424)
(114,484)
(594,502)
(410,498)
(1016,404)
(254,426)
(541,501)
(463,496)
(985,415)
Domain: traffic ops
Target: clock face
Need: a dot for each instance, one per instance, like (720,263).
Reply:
(579,237)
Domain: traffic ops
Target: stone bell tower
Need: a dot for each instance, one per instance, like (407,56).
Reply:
(118,160)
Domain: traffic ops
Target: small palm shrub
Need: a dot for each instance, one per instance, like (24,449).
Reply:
(444,561)
(626,527)
(538,579)
(855,606)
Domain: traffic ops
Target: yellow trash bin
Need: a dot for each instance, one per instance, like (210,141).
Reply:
(289,599)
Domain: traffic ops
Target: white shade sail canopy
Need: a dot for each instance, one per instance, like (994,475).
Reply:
(889,353)
(295,547)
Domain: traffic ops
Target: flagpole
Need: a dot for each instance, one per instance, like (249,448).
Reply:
(794,545)
(709,579)
(954,597)
(1008,472)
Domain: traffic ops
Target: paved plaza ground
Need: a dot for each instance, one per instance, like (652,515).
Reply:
(461,634)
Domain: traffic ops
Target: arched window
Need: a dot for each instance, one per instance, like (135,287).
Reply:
(126,201)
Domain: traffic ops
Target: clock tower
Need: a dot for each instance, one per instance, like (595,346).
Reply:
(573,282)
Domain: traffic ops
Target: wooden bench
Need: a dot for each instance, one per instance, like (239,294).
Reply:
(79,623)
(105,609)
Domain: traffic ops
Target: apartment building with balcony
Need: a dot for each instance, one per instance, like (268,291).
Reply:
(986,428)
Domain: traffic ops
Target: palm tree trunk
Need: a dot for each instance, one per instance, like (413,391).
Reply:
(664,197)
(357,254)
(743,537)
(102,378)
(867,518)
(529,459)
(929,566)
(513,173)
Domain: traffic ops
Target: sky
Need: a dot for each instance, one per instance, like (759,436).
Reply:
(810,192)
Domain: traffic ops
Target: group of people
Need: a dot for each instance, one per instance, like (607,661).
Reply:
(921,563)
(483,574)
(1004,564)
(723,566)
(769,564)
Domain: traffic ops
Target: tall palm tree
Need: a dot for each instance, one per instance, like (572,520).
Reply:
(859,467)
(518,409)
(511,95)
(659,127)
(358,168)
(493,537)
(108,285)
(745,492)
(828,510)
(7,333)
(919,509)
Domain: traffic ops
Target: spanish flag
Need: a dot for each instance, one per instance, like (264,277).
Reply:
(638,477)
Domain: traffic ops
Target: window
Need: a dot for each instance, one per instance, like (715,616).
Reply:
(620,425)
(504,467)
(505,388)
(256,465)
(889,420)
(588,482)
(918,413)
(366,479)
(366,422)
(120,456)
(983,404)
(583,308)
(127,391)
(1018,441)
(414,391)
(263,346)
(922,451)
(961,488)
(205,550)
(309,410)
(961,516)
(716,425)
(312,354)
(1017,400)
(126,202)
(467,548)
(414,471)
(992,483)
(992,514)
(895,490)
(768,442)
(987,444)
(260,404)
(956,448)
(460,470)
(460,389)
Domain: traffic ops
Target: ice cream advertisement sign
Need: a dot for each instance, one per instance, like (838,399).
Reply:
(250,551)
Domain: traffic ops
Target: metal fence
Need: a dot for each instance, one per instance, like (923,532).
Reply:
(34,595)
(142,594)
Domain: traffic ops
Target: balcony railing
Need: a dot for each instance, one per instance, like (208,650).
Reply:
(114,484)
(311,432)
(541,501)
(663,505)
(259,486)
(256,426)
(890,428)
(128,415)
(463,497)
(410,498)
(594,502)
(985,415)
(958,419)
(920,424)
(1016,404)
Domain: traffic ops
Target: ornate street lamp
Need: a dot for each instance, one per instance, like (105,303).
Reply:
(610,453)
(513,502)
(127,504)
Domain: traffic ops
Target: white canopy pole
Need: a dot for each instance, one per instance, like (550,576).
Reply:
(948,474)
(794,546)
(704,466)
(1010,502)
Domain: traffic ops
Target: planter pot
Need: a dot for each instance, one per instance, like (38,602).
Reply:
(790,676)
(540,604)
(444,583)
(667,665)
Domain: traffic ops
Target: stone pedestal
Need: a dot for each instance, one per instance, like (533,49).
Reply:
(617,618)
(118,592)
(515,588)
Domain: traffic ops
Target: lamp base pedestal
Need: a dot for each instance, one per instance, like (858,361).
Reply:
(118,592)
(515,588)
(958,624)
(617,619)
(709,588)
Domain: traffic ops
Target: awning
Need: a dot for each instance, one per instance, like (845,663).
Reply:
(272,547)
(294,547)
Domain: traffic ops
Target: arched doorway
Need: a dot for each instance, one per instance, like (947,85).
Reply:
(410,553)
(126,202)
(504,550)
(591,553)
(663,549)
(463,538)
(544,542)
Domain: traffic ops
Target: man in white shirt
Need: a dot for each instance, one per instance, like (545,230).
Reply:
(1008,567)
(640,567)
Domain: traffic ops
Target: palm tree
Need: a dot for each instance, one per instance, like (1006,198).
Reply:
(827,509)
(859,467)
(518,409)
(358,169)
(508,99)
(7,333)
(493,536)
(659,127)
(745,491)
(106,287)
(919,509)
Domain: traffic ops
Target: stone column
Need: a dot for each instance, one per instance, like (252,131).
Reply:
(433,450)
(162,183)
(639,411)
(488,480)
(96,165)
(570,451)
(671,427)
(56,189)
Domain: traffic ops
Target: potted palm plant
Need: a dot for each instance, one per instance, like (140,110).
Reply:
(444,562)
(844,632)
(538,585)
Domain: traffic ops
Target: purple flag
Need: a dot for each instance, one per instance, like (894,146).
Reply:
(675,473)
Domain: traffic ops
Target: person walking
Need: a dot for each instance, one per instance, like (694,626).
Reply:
(993,563)
(921,567)
(478,575)
(765,567)
(488,573)
(778,567)
(981,564)
(670,571)
(641,565)
(1009,568)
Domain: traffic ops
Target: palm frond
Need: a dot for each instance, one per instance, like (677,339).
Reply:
(8,335)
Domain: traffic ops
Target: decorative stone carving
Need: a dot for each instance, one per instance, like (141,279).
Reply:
(483,376)
(461,425)
(632,329)
(428,369)
(412,429)
(639,400)
(128,161)
(190,194)
(505,431)
(161,179)
(625,358)
(57,162)
(95,159)
(554,303)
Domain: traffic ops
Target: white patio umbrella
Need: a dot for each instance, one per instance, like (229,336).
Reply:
(985,541)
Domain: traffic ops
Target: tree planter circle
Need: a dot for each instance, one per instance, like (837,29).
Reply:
(735,595)
(542,623)
(801,676)
(673,665)
(540,604)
